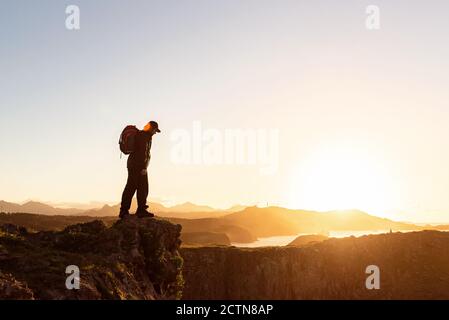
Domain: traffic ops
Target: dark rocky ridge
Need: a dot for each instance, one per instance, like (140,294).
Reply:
(412,266)
(139,259)
(133,259)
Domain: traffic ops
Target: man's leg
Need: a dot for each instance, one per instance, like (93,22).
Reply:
(128,192)
(142,191)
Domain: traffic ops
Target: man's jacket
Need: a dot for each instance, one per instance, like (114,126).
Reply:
(140,158)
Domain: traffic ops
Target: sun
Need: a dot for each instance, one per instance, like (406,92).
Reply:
(338,178)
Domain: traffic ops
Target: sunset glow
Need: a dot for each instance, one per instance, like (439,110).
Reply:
(337,178)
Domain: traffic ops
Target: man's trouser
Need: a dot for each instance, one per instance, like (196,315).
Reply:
(136,181)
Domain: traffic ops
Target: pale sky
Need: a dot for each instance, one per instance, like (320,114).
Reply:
(362,115)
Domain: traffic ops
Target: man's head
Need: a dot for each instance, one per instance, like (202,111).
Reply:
(152,127)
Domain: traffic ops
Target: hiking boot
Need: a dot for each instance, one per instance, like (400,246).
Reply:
(143,213)
(123,214)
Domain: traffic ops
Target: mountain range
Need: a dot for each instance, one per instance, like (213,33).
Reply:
(203,225)
(186,210)
(273,221)
(38,208)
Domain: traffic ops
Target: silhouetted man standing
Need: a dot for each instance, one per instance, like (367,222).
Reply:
(137,164)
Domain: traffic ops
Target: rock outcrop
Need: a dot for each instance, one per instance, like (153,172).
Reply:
(11,289)
(133,259)
(412,266)
(141,259)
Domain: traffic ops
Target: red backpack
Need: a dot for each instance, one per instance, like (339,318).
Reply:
(127,139)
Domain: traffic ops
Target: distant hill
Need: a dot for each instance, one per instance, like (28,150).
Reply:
(38,208)
(307,239)
(236,208)
(217,225)
(113,211)
(178,211)
(186,210)
(444,227)
(274,221)
(191,207)
(104,211)
(204,239)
